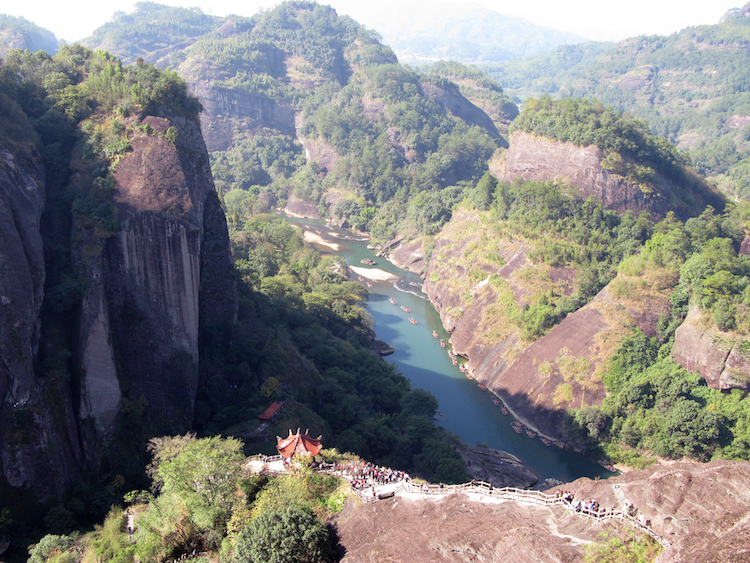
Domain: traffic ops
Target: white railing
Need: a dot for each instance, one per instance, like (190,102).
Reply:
(368,493)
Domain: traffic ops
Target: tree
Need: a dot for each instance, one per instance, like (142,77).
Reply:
(289,535)
(51,546)
(202,473)
(420,402)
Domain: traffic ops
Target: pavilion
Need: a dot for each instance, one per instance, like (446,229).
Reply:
(301,445)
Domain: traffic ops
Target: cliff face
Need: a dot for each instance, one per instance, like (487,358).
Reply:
(537,379)
(21,270)
(537,159)
(228,111)
(154,290)
(722,360)
(454,103)
(151,288)
(36,445)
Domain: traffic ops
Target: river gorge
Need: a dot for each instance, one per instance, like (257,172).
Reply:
(464,409)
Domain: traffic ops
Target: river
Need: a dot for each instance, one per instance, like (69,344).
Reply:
(465,410)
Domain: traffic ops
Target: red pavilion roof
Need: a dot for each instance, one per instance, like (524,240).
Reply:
(298,444)
(270,411)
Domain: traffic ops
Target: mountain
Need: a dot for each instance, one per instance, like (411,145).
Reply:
(401,155)
(19,33)
(580,263)
(689,88)
(116,264)
(301,77)
(422,32)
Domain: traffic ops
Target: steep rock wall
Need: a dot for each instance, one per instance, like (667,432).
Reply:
(454,103)
(21,270)
(227,110)
(152,281)
(477,279)
(538,159)
(153,290)
(722,359)
(39,445)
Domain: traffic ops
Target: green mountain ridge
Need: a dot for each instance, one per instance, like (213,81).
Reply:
(19,33)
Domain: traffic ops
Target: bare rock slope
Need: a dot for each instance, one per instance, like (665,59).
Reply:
(703,510)
(479,282)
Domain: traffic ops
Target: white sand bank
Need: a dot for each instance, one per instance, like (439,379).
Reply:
(317,239)
(373,273)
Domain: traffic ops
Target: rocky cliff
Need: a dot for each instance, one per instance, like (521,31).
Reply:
(534,158)
(164,276)
(723,359)
(21,271)
(478,281)
(228,111)
(154,289)
(451,100)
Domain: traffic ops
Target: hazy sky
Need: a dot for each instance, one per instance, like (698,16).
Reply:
(593,19)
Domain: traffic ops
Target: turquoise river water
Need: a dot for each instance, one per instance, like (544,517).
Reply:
(465,410)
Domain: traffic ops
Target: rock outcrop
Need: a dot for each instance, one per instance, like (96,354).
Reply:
(499,468)
(298,207)
(21,270)
(703,510)
(479,281)
(451,100)
(229,110)
(153,290)
(38,441)
(723,360)
(163,271)
(538,159)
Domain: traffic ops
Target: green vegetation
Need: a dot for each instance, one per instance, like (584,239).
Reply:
(389,143)
(287,535)
(477,87)
(546,73)
(303,336)
(654,405)
(202,503)
(151,26)
(634,548)
(564,232)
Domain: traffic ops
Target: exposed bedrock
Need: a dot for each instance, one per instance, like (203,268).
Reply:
(154,290)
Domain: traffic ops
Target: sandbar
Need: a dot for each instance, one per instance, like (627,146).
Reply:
(317,239)
(373,273)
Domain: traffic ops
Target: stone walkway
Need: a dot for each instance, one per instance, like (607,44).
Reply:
(476,491)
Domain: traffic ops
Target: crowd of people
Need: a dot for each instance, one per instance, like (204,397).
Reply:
(592,507)
(363,474)
(589,506)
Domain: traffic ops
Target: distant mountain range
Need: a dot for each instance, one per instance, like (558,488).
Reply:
(20,33)
(425,32)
